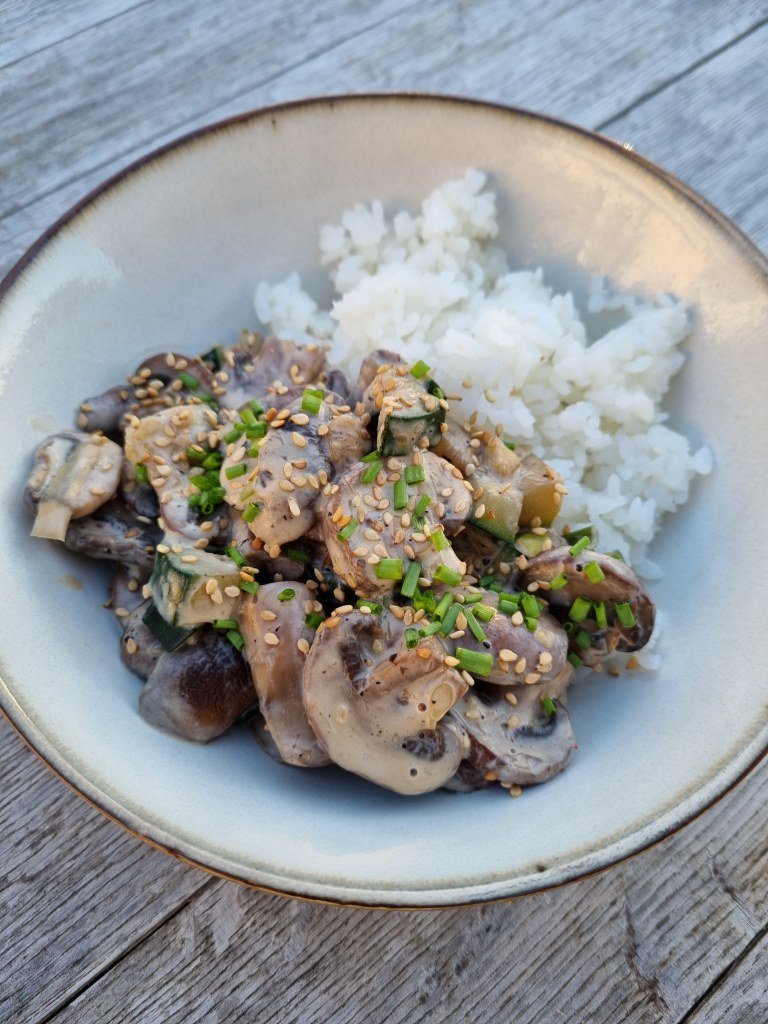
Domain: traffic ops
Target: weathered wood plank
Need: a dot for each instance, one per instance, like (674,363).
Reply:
(638,944)
(741,996)
(711,129)
(567,59)
(75,889)
(28,26)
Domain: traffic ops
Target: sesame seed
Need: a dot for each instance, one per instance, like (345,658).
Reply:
(509,696)
(271,639)
(163,549)
(303,645)
(298,440)
(517,619)
(122,613)
(146,591)
(532,677)
(480,511)
(520,667)
(467,678)
(190,559)
(506,655)
(300,419)
(323,429)
(360,552)
(232,591)
(450,661)
(131,646)
(286,485)
(515,791)
(293,506)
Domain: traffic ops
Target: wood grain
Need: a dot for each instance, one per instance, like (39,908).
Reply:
(97,927)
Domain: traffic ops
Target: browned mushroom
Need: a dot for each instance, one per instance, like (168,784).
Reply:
(199,690)
(378,708)
(277,642)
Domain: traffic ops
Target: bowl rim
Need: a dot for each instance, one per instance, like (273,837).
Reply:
(722,783)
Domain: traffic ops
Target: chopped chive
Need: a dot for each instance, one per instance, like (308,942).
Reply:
(314,619)
(530,544)
(190,382)
(473,662)
(449,619)
(253,452)
(346,531)
(572,536)
(559,581)
(371,472)
(424,599)
(583,639)
(579,546)
(389,569)
(233,435)
(593,572)
(624,614)
(601,618)
(256,408)
(235,637)
(311,400)
(256,432)
(210,401)
(225,623)
(422,505)
(509,444)
(235,555)
(295,555)
(484,612)
(411,637)
(195,454)
(474,626)
(248,417)
(486,581)
(400,497)
(142,473)
(507,606)
(411,579)
(548,706)
(286,595)
(616,554)
(530,605)
(497,586)
(415,474)
(371,457)
(373,606)
(194,500)
(472,598)
(439,540)
(443,605)
(446,575)
(435,389)
(232,472)
(250,586)
(531,623)
(420,369)
(251,511)
(579,609)
(575,660)
(430,630)
(212,460)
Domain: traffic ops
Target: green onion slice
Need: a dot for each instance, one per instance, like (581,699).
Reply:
(420,369)
(142,473)
(444,574)
(415,474)
(579,609)
(232,472)
(474,626)
(235,637)
(251,511)
(286,595)
(250,586)
(560,581)
(579,546)
(373,606)
(225,623)
(346,531)
(484,612)
(473,662)
(411,637)
(400,497)
(593,572)
(411,579)
(235,555)
(624,614)
(190,382)
(389,569)
(371,472)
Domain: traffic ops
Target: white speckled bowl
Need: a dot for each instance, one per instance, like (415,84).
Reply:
(166,255)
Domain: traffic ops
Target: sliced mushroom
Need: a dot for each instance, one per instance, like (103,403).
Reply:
(199,690)
(139,497)
(160,442)
(483,553)
(520,655)
(74,474)
(125,590)
(140,650)
(273,629)
(619,585)
(521,744)
(113,533)
(369,367)
(271,371)
(382,532)
(284,566)
(379,708)
(293,462)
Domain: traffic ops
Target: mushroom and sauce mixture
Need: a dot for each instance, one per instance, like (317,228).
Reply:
(363,577)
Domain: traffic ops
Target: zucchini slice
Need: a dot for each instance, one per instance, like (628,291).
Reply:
(501,505)
(169,636)
(410,411)
(179,587)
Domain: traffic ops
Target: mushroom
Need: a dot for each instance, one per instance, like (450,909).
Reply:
(520,655)
(140,650)
(361,526)
(125,590)
(199,690)
(74,474)
(291,565)
(515,744)
(139,497)
(114,533)
(270,371)
(276,645)
(369,367)
(483,553)
(379,708)
(284,475)
(160,442)
(614,584)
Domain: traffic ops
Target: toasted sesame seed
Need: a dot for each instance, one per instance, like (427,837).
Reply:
(360,552)
(190,559)
(232,591)
(163,549)
(299,440)
(532,677)
(122,613)
(146,591)
(509,696)
(323,429)
(131,646)
(517,619)
(515,791)
(450,661)
(303,645)
(520,666)
(467,678)
(293,506)
(271,639)
(286,485)
(300,418)
(423,652)
(506,655)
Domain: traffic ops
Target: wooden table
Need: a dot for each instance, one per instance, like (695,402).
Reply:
(95,925)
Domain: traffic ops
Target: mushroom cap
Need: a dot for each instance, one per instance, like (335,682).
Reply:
(379,708)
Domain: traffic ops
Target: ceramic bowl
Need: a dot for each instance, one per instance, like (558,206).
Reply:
(165,255)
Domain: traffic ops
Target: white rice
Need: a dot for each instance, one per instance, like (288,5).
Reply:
(433,286)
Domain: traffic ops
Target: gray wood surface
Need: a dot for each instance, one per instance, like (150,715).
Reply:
(94,925)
